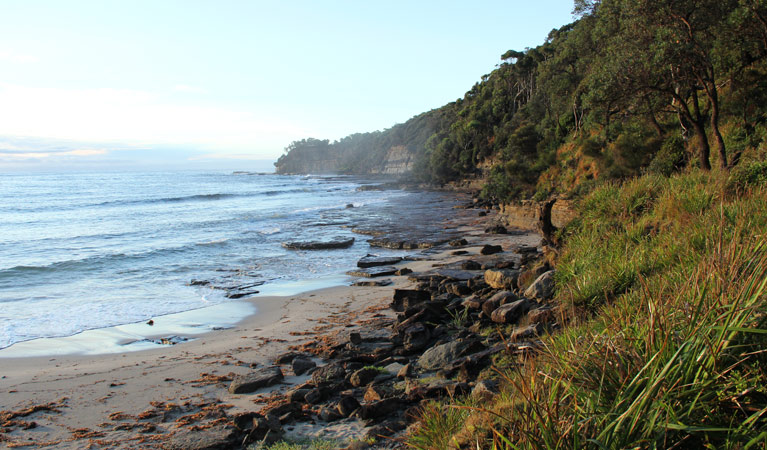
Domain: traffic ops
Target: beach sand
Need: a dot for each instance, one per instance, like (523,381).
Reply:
(138,399)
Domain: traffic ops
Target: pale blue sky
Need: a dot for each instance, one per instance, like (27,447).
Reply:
(224,83)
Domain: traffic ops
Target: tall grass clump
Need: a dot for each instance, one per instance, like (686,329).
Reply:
(669,345)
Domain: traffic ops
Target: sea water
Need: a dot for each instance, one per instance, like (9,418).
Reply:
(83,251)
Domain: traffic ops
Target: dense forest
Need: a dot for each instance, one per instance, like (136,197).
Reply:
(630,87)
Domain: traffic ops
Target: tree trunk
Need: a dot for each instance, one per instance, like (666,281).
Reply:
(700,131)
(715,128)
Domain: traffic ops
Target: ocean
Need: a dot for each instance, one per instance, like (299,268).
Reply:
(83,251)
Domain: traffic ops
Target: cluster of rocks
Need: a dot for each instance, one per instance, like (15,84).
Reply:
(439,345)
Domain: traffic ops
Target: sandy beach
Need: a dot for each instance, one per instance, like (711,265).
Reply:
(139,399)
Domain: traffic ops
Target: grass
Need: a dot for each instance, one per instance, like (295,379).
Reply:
(668,345)
(306,444)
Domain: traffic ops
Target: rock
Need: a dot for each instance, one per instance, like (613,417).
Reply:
(326,374)
(458,242)
(373,272)
(363,376)
(314,396)
(283,413)
(329,414)
(374,393)
(209,439)
(488,249)
(525,333)
(301,365)
(393,368)
(497,229)
(542,315)
(473,302)
(319,245)
(381,408)
(266,423)
(485,390)
(416,337)
(510,312)
(297,395)
(407,371)
(404,271)
(438,389)
(243,384)
(471,265)
(405,298)
(374,261)
(542,288)
(524,249)
(373,283)
(501,298)
(501,278)
(384,431)
(287,358)
(347,405)
(244,421)
(438,356)
(457,274)
(272,437)
(458,289)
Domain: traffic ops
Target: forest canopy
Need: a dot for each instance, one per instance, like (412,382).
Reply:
(631,86)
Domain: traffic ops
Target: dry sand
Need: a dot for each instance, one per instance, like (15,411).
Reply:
(137,399)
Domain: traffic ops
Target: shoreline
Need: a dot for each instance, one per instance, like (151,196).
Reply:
(88,398)
(187,325)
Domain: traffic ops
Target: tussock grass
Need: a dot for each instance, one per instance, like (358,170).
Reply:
(669,348)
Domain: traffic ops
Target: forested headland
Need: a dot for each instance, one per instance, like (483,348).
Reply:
(630,87)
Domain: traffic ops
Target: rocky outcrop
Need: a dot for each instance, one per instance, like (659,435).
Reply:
(398,161)
(527,214)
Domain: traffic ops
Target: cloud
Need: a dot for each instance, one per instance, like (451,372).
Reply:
(134,117)
(17,57)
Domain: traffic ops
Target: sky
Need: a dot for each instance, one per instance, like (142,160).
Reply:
(108,84)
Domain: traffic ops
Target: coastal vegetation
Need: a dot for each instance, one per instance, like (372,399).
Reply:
(629,87)
(662,284)
(651,116)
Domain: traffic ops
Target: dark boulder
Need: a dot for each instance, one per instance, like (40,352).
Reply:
(510,312)
(243,384)
(319,245)
(488,249)
(375,261)
(301,365)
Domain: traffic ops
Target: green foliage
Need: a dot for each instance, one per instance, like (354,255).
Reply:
(666,281)
(670,159)
(748,176)
(306,444)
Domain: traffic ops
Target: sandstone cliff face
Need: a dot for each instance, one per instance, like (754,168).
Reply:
(398,161)
(526,214)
